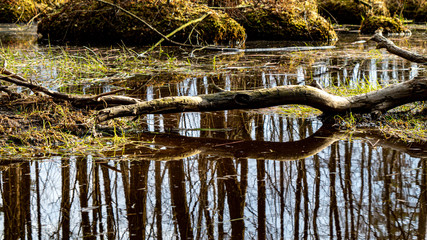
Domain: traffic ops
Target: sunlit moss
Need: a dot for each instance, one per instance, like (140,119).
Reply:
(91,21)
(348,11)
(389,25)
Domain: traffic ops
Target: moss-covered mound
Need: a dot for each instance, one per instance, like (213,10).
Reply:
(278,23)
(94,22)
(388,25)
(12,11)
(350,11)
(409,9)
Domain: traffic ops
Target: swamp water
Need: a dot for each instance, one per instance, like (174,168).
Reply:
(265,174)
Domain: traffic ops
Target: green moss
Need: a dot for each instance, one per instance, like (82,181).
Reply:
(285,24)
(91,21)
(410,9)
(12,11)
(349,11)
(388,24)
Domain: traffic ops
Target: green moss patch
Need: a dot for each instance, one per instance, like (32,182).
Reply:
(388,24)
(94,22)
(12,11)
(286,24)
(409,9)
(349,11)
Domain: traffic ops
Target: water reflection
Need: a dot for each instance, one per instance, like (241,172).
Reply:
(238,184)
(230,174)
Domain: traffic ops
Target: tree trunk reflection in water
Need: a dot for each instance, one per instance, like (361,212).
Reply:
(261,199)
(179,198)
(137,208)
(422,200)
(235,198)
(96,201)
(158,207)
(316,195)
(82,177)
(333,207)
(203,201)
(111,233)
(65,200)
(348,193)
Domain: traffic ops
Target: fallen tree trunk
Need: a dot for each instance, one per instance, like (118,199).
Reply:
(381,100)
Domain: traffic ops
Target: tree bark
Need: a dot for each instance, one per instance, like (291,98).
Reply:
(381,100)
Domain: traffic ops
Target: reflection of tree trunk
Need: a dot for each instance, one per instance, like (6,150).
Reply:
(39,219)
(260,164)
(96,201)
(203,200)
(282,200)
(297,201)
(362,189)
(369,167)
(82,177)
(348,191)
(423,201)
(333,213)
(316,195)
(26,195)
(65,200)
(137,210)
(10,204)
(221,200)
(111,233)
(179,198)
(386,194)
(158,207)
(234,197)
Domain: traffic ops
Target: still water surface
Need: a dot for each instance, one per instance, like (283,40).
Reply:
(233,174)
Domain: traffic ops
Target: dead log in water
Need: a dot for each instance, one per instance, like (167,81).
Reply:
(392,48)
(377,101)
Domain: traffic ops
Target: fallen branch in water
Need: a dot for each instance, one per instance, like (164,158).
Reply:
(392,48)
(103,99)
(377,101)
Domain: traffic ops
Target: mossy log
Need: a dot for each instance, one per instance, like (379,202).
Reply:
(377,101)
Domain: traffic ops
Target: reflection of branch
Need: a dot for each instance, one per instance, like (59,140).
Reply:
(418,150)
(171,147)
(178,147)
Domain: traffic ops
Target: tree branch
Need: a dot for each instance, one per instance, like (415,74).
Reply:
(392,48)
(381,100)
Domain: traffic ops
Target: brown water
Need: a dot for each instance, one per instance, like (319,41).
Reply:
(232,174)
